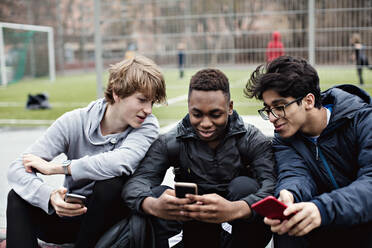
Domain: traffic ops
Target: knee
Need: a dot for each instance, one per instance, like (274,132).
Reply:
(15,202)
(109,187)
(240,187)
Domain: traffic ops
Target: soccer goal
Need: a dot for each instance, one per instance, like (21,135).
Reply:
(25,50)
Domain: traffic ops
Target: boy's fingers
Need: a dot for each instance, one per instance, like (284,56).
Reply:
(293,208)
(193,197)
(72,213)
(271,222)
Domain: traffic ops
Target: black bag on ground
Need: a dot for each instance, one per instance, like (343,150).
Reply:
(38,101)
(135,231)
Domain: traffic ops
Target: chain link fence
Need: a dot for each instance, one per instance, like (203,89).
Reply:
(234,32)
(209,32)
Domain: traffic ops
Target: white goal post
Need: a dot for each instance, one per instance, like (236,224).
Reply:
(51,57)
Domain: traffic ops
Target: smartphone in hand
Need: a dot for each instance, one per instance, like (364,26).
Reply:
(185,188)
(75,198)
(271,207)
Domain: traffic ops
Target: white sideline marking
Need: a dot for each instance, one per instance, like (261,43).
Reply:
(172,241)
(177,99)
(54,104)
(82,104)
(23,121)
(227,227)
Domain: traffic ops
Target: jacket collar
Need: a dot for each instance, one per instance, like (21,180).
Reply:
(346,99)
(235,125)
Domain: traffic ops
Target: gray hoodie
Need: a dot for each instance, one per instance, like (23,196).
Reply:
(94,157)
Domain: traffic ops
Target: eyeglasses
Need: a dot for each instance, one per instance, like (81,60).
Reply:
(278,111)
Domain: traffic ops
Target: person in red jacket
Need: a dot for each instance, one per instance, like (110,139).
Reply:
(275,47)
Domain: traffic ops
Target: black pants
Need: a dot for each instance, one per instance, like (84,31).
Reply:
(245,232)
(360,70)
(346,237)
(360,74)
(26,223)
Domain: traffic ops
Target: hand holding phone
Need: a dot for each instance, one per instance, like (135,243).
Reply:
(75,198)
(271,207)
(185,188)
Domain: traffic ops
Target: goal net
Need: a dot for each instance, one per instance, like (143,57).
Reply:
(25,51)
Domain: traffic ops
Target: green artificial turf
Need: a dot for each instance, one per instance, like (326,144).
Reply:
(72,91)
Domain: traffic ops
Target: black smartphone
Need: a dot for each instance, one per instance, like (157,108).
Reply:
(182,189)
(75,198)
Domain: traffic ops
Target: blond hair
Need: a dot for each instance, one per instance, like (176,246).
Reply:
(136,74)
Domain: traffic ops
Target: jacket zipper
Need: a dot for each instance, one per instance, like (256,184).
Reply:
(320,155)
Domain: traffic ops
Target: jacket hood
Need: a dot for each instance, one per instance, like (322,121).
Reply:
(96,111)
(276,36)
(347,100)
(235,125)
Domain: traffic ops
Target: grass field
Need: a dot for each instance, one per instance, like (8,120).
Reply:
(73,91)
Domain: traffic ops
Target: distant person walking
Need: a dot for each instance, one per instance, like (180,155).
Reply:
(360,56)
(181,59)
(131,52)
(275,47)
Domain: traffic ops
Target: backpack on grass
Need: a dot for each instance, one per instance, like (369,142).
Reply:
(38,101)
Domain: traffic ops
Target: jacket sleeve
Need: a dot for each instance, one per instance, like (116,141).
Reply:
(28,185)
(122,160)
(259,151)
(352,204)
(293,173)
(150,173)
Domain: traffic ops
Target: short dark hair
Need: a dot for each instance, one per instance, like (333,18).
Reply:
(286,75)
(210,80)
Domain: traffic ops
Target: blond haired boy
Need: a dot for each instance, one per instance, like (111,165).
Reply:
(104,142)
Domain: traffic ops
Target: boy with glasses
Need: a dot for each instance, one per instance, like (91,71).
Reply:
(277,111)
(323,145)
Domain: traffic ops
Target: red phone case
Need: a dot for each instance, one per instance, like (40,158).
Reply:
(271,208)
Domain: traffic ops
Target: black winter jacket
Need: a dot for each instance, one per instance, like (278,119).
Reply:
(211,169)
(336,172)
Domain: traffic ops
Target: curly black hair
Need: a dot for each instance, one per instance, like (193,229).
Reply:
(286,75)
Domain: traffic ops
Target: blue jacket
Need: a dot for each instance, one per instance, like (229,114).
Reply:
(336,172)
